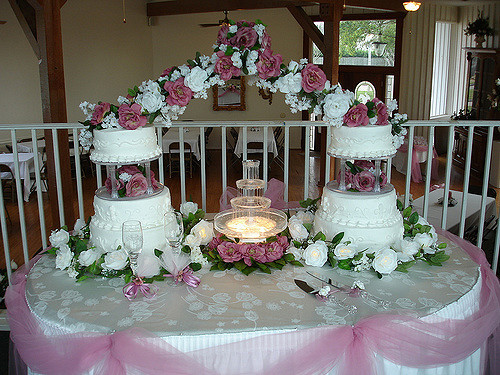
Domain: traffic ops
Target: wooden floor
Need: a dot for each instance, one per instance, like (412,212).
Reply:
(193,191)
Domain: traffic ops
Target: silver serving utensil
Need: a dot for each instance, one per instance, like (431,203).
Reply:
(353,292)
(305,286)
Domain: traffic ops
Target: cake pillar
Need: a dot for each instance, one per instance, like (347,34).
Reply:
(376,188)
(148,178)
(342,174)
(111,171)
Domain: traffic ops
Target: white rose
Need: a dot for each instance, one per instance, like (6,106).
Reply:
(336,105)
(293,66)
(88,257)
(188,207)
(424,239)
(59,237)
(386,261)
(344,251)
(116,260)
(297,230)
(196,78)
(303,216)
(297,253)
(150,101)
(64,257)
(184,69)
(233,28)
(316,254)
(291,83)
(79,225)
(192,241)
(204,230)
(324,291)
(408,246)
(148,265)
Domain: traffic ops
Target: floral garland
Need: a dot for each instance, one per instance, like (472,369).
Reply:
(242,48)
(419,243)
(131,181)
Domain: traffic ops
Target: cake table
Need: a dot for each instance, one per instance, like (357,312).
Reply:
(259,310)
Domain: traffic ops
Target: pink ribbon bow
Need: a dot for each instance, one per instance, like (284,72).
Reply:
(187,276)
(138,285)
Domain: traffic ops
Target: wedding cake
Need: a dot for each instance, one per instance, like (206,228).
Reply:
(136,196)
(361,203)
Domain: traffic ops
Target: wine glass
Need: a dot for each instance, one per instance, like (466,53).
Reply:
(132,239)
(174,230)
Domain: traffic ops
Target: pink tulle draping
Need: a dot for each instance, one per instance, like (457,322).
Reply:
(275,191)
(416,174)
(402,339)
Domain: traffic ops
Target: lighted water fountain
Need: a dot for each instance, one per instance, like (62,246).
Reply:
(251,218)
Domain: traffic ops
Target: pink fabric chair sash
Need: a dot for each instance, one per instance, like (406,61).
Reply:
(275,191)
(416,174)
(402,339)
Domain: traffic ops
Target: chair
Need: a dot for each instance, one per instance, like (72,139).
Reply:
(279,138)
(8,182)
(174,157)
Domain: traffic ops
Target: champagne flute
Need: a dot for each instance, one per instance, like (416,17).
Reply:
(174,230)
(132,241)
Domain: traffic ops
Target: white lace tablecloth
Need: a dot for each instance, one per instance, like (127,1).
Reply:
(191,137)
(228,306)
(256,135)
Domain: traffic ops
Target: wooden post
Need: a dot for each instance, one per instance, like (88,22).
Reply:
(54,104)
(331,15)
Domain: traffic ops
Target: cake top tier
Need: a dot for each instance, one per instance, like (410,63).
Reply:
(122,146)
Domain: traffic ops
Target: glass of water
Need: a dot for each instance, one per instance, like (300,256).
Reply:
(132,239)
(174,230)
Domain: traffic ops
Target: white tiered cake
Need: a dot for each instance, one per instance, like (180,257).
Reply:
(118,147)
(367,218)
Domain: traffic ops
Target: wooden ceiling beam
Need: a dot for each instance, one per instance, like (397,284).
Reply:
(308,26)
(394,5)
(168,8)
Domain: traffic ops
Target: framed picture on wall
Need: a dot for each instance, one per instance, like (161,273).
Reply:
(231,96)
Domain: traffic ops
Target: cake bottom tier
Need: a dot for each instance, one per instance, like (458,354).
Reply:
(106,224)
(367,219)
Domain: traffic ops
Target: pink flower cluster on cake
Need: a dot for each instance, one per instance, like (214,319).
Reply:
(231,252)
(374,112)
(360,176)
(131,181)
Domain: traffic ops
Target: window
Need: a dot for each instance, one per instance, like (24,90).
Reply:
(364,43)
(440,69)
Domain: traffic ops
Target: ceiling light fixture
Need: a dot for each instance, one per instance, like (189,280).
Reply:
(411,6)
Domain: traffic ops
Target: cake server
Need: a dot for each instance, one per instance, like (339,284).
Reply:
(353,292)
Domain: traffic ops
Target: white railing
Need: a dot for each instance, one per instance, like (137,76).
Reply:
(201,126)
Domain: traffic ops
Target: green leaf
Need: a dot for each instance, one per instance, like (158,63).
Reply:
(413,218)
(281,261)
(425,229)
(131,92)
(297,244)
(407,211)
(81,278)
(240,265)
(296,263)
(186,249)
(52,250)
(136,89)
(401,268)
(332,260)
(439,257)
(442,245)
(308,226)
(336,240)
(214,268)
(247,271)
(195,266)
(263,267)
(199,214)
(158,253)
(128,278)
(271,239)
(288,257)
(221,266)
(399,205)
(319,236)
(191,63)
(244,70)
(159,278)
(229,50)
(345,264)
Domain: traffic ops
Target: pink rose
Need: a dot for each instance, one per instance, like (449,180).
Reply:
(269,64)
(266,41)
(129,116)
(357,116)
(100,111)
(136,186)
(229,252)
(365,164)
(224,66)
(348,178)
(364,181)
(245,37)
(216,241)
(274,252)
(254,251)
(382,114)
(167,71)
(119,185)
(154,183)
(222,35)
(313,78)
(383,179)
(283,241)
(130,169)
(178,93)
